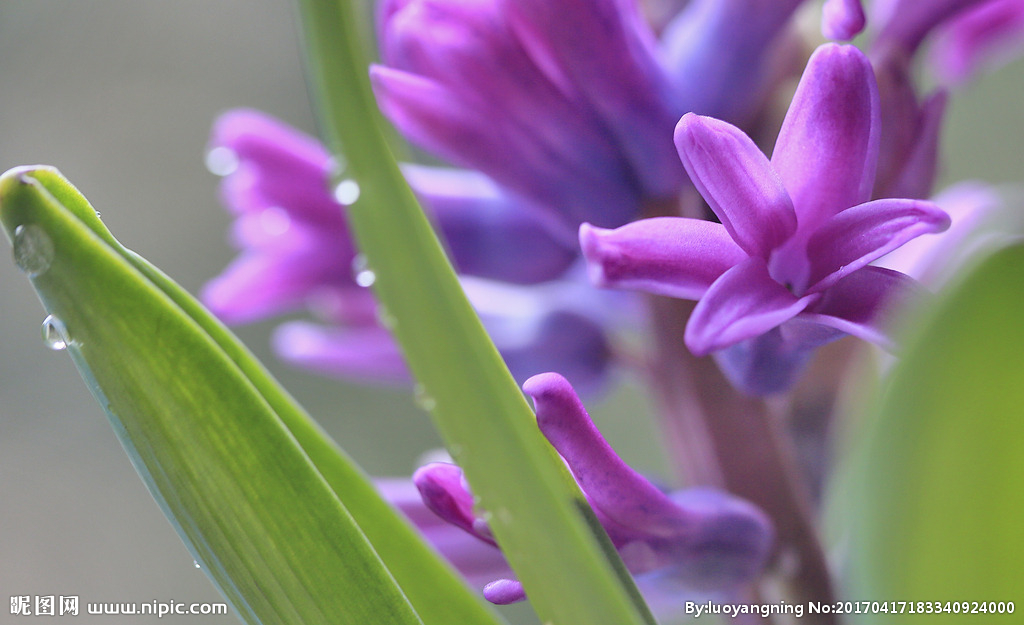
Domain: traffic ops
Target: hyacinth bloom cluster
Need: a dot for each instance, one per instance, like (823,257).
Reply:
(297,254)
(700,541)
(788,268)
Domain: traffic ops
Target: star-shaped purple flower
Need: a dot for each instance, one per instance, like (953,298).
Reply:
(788,268)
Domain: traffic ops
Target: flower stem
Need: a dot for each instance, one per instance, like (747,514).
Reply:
(723,438)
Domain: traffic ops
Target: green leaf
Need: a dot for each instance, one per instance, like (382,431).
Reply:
(937,487)
(437,592)
(214,437)
(547,531)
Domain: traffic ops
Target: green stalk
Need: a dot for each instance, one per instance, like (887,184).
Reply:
(564,559)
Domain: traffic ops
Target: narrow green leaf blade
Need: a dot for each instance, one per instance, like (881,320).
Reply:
(245,498)
(563,557)
(436,591)
(938,487)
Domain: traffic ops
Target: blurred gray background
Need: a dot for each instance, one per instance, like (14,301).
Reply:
(120,95)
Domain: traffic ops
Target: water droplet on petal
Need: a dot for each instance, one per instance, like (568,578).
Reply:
(33,249)
(221,161)
(361,272)
(423,399)
(347,192)
(55,334)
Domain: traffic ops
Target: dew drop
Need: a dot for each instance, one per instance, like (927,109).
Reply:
(385,318)
(347,192)
(55,334)
(33,249)
(221,161)
(361,272)
(423,399)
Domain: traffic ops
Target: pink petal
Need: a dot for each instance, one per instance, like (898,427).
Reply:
(737,181)
(745,302)
(864,233)
(670,256)
(842,20)
(858,304)
(827,148)
(614,488)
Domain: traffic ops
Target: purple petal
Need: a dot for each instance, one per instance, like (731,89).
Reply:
(367,354)
(445,492)
(858,304)
(479,562)
(906,23)
(504,592)
(864,233)
(827,148)
(601,52)
(738,182)
(277,166)
(991,31)
(915,174)
(728,544)
(258,285)
(772,362)
(622,494)
(721,54)
(557,340)
(842,20)
(490,234)
(543,156)
(670,256)
(745,302)
(971,207)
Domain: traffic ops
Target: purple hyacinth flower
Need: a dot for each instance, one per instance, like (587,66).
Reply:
(703,540)
(986,34)
(562,103)
(297,254)
(788,268)
(722,54)
(842,20)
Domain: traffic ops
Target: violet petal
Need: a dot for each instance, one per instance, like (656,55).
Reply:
(490,234)
(670,256)
(827,149)
(738,182)
(364,353)
(742,304)
(504,592)
(602,52)
(621,493)
(864,233)
(858,303)
(842,20)
(991,31)
(444,491)
(720,54)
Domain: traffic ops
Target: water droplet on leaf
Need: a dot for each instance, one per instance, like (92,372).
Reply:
(347,192)
(361,272)
(55,334)
(33,249)
(423,399)
(221,161)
